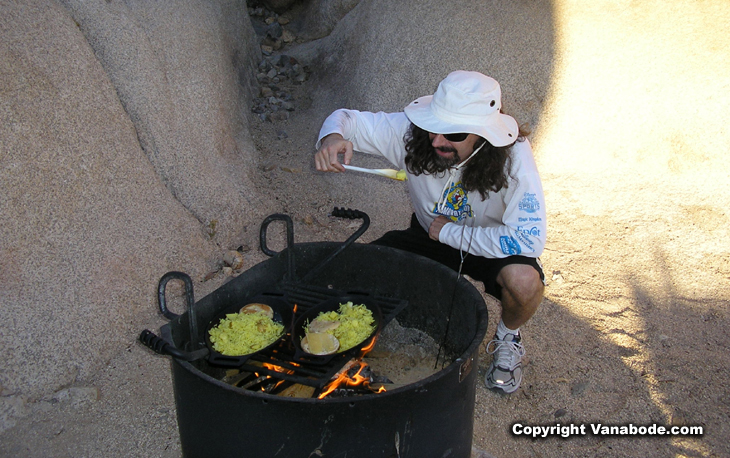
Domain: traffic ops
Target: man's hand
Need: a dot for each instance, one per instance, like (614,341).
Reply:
(435,228)
(332,146)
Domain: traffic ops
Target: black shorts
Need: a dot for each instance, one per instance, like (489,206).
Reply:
(416,240)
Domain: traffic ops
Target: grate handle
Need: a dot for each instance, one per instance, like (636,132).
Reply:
(289,240)
(348,214)
(163,347)
(189,300)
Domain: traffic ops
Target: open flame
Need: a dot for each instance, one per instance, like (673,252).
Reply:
(354,374)
(275,368)
(350,377)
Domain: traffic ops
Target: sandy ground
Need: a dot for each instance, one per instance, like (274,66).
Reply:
(633,328)
(625,335)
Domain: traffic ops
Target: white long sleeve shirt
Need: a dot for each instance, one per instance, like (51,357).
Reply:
(509,222)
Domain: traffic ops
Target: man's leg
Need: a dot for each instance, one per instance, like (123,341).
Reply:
(522,291)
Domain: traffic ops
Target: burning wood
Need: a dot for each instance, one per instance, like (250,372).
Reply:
(298,391)
(355,378)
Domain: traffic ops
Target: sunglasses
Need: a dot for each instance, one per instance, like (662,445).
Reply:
(455,138)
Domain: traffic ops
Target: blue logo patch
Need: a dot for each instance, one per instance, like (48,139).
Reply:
(529,203)
(509,245)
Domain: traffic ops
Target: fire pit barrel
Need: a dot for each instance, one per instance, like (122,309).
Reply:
(429,418)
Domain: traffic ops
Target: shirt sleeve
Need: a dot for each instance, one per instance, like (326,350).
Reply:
(371,133)
(523,228)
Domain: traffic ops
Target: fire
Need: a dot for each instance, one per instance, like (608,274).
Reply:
(275,368)
(351,376)
(366,350)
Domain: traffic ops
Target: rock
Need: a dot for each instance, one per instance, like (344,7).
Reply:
(286,61)
(11,407)
(301,78)
(558,277)
(77,396)
(280,116)
(279,5)
(267,50)
(679,418)
(287,36)
(478,453)
(560,413)
(578,388)
(234,259)
(274,31)
(133,148)
(265,66)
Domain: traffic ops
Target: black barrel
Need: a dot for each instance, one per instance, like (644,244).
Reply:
(433,417)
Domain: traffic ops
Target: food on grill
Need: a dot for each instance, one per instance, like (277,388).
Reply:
(320,343)
(258,308)
(243,333)
(351,325)
(322,325)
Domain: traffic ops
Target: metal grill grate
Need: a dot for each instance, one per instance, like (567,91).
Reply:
(282,355)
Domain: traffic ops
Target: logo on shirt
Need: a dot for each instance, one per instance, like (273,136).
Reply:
(454,203)
(529,203)
(509,245)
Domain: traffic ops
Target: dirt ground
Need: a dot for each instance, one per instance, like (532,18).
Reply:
(632,330)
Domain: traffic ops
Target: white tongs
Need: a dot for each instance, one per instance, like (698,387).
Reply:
(399,175)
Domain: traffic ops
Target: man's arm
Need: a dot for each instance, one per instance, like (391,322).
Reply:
(436,225)
(331,147)
(345,131)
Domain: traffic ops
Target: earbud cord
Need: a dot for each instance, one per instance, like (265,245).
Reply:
(462,256)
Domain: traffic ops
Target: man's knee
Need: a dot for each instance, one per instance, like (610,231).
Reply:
(521,280)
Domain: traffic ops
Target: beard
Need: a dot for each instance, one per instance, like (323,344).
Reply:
(421,156)
(441,163)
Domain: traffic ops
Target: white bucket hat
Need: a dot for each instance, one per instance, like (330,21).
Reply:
(466,102)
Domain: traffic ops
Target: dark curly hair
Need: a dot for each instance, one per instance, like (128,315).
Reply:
(484,172)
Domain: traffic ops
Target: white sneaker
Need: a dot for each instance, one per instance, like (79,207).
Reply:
(505,372)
